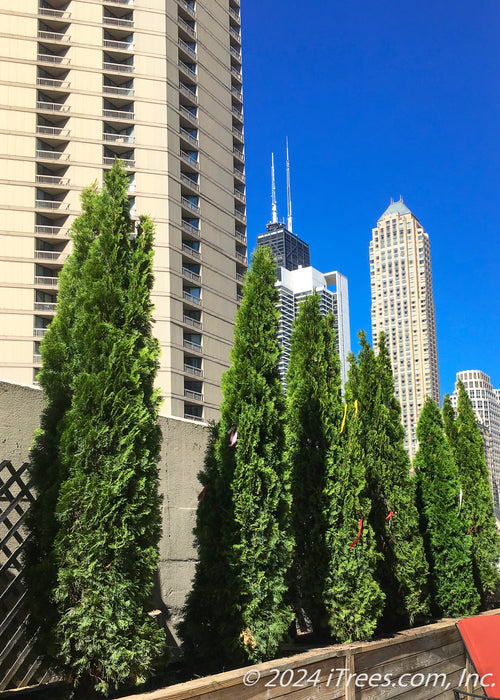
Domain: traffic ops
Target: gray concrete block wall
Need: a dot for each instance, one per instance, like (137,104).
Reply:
(181,459)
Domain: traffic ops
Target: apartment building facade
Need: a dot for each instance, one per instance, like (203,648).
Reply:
(159,86)
(486,404)
(403,307)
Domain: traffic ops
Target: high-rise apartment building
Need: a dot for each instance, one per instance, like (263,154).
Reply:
(486,404)
(159,86)
(403,307)
(332,288)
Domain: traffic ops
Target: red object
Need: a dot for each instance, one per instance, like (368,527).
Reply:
(202,493)
(481,636)
(233,437)
(390,515)
(360,524)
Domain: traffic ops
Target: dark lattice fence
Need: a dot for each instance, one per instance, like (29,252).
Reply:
(18,664)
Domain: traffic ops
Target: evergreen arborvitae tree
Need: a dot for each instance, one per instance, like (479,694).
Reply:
(101,510)
(450,428)
(251,489)
(403,569)
(314,413)
(468,449)
(353,597)
(447,546)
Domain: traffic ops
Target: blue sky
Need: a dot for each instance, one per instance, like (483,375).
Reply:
(380,99)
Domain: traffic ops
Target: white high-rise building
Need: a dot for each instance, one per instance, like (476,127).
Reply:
(159,85)
(486,404)
(403,307)
(293,286)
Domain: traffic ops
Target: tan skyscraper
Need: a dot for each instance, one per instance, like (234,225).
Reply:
(403,307)
(157,84)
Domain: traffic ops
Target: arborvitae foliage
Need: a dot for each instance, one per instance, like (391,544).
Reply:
(403,569)
(450,427)
(314,412)
(352,595)
(448,547)
(251,487)
(468,449)
(101,431)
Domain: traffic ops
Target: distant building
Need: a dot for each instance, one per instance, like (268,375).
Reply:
(486,404)
(403,307)
(296,279)
(293,286)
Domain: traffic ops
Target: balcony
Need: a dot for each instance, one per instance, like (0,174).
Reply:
(190,228)
(187,48)
(46,281)
(236,92)
(49,230)
(51,204)
(240,216)
(238,133)
(37,359)
(118,22)
(242,258)
(235,33)
(192,276)
(195,347)
(53,83)
(193,162)
(54,37)
(239,298)
(188,70)
(188,92)
(192,416)
(189,182)
(234,13)
(53,180)
(187,7)
(238,153)
(195,395)
(235,52)
(189,115)
(240,277)
(45,306)
(39,332)
(130,3)
(240,236)
(55,14)
(52,155)
(118,138)
(190,205)
(117,67)
(118,45)
(47,255)
(236,73)
(118,91)
(238,112)
(54,131)
(54,60)
(117,114)
(191,251)
(191,298)
(109,162)
(185,26)
(191,321)
(52,106)
(239,174)
(189,137)
(240,195)
(194,371)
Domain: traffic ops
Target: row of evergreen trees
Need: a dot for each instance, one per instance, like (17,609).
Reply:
(309,515)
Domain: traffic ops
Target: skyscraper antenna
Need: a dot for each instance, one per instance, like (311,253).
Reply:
(273,194)
(288,190)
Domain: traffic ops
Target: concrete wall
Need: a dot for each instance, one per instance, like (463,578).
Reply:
(182,452)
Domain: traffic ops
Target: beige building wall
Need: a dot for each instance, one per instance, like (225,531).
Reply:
(403,307)
(157,85)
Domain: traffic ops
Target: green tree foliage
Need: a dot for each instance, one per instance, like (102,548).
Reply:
(251,488)
(101,510)
(403,569)
(468,450)
(447,546)
(352,594)
(314,413)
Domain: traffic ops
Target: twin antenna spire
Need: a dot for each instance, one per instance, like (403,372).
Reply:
(274,219)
